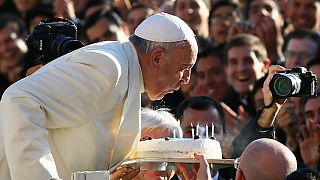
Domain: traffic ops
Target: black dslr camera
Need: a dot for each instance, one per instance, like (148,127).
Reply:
(52,38)
(295,82)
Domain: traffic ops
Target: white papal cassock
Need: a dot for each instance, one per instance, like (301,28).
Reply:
(79,112)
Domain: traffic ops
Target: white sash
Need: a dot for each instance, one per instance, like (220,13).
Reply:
(129,129)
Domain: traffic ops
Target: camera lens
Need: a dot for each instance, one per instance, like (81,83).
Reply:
(286,84)
(63,45)
(282,85)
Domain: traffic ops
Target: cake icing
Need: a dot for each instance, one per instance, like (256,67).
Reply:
(178,148)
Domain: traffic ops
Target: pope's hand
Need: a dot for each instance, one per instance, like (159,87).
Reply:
(124,173)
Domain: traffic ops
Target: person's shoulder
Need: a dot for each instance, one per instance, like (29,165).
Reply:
(101,46)
(104,52)
(106,48)
(109,56)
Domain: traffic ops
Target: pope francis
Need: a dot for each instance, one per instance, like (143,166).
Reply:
(82,111)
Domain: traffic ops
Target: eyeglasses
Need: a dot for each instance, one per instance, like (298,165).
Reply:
(301,55)
(231,17)
(236,163)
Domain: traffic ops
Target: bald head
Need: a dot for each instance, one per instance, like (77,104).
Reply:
(267,159)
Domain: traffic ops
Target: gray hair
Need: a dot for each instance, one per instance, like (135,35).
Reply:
(160,118)
(145,46)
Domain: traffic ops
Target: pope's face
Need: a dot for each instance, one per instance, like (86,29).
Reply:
(174,69)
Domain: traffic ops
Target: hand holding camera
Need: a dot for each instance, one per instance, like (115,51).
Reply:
(295,82)
(280,84)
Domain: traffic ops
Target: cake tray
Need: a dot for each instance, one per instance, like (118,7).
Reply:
(163,164)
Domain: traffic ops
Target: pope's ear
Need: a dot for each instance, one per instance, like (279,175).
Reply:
(156,56)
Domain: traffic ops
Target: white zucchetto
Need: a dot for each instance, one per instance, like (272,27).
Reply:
(163,27)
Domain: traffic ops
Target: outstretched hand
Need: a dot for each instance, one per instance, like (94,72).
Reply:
(199,171)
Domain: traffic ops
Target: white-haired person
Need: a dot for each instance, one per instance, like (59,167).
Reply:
(81,111)
(157,124)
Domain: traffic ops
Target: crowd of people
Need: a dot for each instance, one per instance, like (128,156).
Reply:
(240,45)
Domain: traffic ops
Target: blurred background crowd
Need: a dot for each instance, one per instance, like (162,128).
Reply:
(238,41)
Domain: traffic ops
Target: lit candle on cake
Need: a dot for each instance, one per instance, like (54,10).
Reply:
(192,131)
(197,130)
(212,130)
(207,131)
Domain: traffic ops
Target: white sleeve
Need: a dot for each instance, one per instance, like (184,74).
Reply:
(26,139)
(55,97)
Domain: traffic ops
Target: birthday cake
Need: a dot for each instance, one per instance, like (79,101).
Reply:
(178,148)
